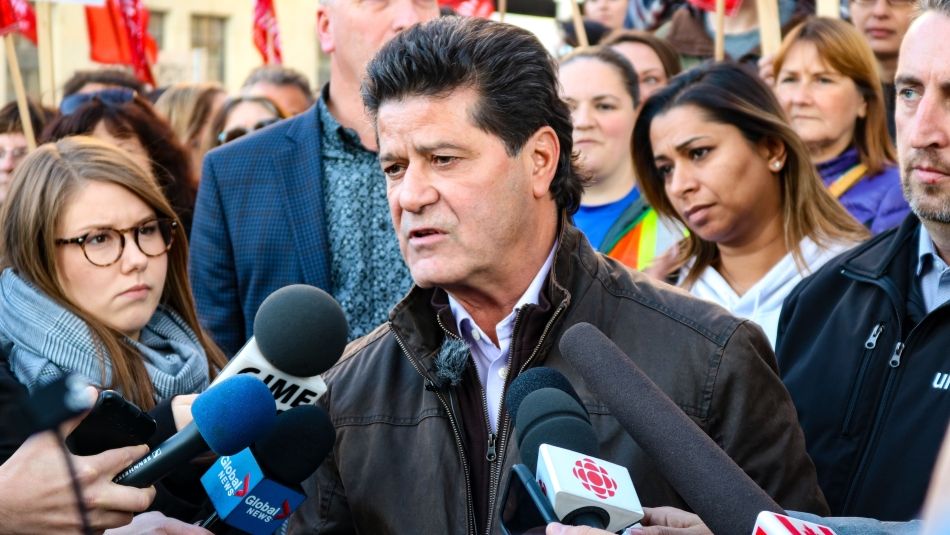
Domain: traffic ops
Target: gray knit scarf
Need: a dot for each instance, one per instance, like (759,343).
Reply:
(43,341)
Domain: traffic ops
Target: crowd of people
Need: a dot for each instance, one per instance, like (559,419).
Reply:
(767,238)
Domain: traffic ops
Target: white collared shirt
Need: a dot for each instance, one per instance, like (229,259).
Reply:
(491,361)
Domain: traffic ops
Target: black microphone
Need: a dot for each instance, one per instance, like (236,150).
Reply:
(228,417)
(715,488)
(301,439)
(554,434)
(299,332)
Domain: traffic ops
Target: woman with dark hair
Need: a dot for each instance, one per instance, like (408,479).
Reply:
(652,57)
(600,88)
(121,117)
(94,278)
(713,151)
(826,80)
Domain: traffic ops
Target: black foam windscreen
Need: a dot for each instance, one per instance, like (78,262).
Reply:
(534,379)
(713,486)
(551,416)
(302,438)
(301,330)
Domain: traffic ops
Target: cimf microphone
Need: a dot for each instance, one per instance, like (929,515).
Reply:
(257,489)
(713,486)
(299,332)
(769,523)
(554,434)
(228,417)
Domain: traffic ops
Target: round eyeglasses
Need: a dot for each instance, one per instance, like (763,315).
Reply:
(103,247)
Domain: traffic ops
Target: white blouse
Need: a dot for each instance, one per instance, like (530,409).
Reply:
(762,303)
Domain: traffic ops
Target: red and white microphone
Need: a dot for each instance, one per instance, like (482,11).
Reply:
(769,523)
(574,482)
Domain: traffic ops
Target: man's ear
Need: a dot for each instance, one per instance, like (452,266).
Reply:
(542,150)
(324,29)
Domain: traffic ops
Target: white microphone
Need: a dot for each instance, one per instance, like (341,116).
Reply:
(769,523)
(299,332)
(577,484)
(555,436)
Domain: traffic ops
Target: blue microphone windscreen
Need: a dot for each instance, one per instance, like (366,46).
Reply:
(234,413)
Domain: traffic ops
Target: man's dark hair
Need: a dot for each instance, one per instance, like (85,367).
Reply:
(109,76)
(516,80)
(280,76)
(10,122)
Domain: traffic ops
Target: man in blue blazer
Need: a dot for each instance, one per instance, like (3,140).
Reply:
(304,201)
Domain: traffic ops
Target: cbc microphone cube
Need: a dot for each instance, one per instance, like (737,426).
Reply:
(768,523)
(244,498)
(572,481)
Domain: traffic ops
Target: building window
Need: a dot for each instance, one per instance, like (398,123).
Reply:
(156,27)
(207,46)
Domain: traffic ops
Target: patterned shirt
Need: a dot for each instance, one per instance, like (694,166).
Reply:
(367,273)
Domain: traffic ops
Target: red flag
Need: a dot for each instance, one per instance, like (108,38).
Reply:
(18,16)
(470,8)
(118,33)
(266,34)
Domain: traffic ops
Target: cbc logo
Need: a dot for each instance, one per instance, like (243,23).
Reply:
(595,478)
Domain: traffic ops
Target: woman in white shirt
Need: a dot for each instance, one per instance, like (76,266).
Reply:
(714,151)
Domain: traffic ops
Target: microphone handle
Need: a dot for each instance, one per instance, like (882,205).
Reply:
(181,448)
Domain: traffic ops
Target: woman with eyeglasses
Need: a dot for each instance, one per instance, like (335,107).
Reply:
(242,115)
(128,121)
(94,277)
(826,80)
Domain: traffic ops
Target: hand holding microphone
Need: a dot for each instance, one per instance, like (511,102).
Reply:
(228,417)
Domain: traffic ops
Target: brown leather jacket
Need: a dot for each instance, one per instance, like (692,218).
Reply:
(400,466)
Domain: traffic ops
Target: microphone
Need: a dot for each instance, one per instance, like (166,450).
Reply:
(257,489)
(554,434)
(227,418)
(299,332)
(709,481)
(769,523)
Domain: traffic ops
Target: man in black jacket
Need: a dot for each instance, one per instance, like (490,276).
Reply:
(864,344)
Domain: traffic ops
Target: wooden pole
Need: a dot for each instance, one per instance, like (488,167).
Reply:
(44,25)
(770,29)
(579,24)
(719,51)
(21,102)
(502,10)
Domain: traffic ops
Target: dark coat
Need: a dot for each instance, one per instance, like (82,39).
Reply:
(865,369)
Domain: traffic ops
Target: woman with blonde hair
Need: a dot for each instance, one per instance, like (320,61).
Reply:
(827,81)
(189,108)
(713,151)
(95,279)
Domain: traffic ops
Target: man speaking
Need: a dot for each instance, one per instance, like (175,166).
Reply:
(476,148)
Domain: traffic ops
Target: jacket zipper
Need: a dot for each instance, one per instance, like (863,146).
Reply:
(455,432)
(894,363)
(495,476)
(869,345)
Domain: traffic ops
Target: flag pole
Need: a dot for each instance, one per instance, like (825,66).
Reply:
(502,10)
(44,21)
(829,8)
(770,31)
(719,52)
(21,101)
(579,24)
